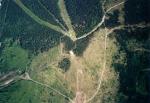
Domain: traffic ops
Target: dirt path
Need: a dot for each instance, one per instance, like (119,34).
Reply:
(101,22)
(80,96)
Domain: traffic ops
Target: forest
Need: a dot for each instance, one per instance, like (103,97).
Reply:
(75,51)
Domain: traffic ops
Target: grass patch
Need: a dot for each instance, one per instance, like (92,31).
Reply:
(43,60)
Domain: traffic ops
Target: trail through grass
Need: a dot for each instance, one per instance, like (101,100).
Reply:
(65,16)
(37,19)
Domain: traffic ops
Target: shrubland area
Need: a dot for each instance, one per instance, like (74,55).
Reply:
(75,51)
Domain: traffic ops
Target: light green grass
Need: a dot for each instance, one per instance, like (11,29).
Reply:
(41,66)
(45,58)
(66,18)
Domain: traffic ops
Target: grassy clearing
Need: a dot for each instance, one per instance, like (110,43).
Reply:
(94,59)
(41,66)
(65,16)
(42,70)
(91,64)
(42,60)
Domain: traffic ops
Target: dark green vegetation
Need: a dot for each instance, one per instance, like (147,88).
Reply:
(131,62)
(64,64)
(20,26)
(22,39)
(135,45)
(85,14)
(28,92)
(13,57)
